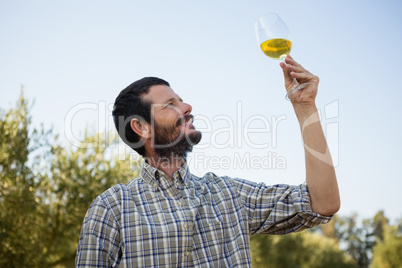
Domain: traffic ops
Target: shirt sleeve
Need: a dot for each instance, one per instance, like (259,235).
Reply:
(99,239)
(277,209)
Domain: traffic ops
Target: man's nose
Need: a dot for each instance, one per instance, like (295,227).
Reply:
(186,108)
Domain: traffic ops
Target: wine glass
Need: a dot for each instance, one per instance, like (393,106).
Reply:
(274,38)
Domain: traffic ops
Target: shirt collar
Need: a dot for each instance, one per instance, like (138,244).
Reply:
(158,178)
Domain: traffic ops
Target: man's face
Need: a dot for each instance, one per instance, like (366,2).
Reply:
(173,132)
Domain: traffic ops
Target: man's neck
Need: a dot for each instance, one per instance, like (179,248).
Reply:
(168,166)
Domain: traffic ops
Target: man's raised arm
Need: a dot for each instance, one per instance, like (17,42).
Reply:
(320,172)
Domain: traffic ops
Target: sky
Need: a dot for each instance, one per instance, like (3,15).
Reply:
(74,57)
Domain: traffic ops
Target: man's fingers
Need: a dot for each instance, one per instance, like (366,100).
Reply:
(296,69)
(291,61)
(306,76)
(286,74)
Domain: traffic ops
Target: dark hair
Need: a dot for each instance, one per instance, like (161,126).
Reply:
(130,104)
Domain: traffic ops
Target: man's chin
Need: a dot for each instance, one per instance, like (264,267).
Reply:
(180,147)
(194,137)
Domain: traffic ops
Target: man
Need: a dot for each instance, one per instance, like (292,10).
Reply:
(170,218)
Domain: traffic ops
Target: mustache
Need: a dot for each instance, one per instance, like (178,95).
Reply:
(185,118)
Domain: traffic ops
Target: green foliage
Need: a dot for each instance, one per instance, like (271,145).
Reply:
(77,176)
(46,189)
(388,252)
(303,250)
(358,239)
(21,216)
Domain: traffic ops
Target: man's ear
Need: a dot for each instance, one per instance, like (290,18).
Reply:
(141,128)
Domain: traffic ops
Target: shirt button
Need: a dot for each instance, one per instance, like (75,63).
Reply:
(180,204)
(186,253)
(185,226)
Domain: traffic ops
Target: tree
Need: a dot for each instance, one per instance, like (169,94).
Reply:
(77,176)
(388,252)
(21,216)
(304,250)
(358,239)
(46,188)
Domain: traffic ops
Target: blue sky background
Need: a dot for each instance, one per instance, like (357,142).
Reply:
(80,54)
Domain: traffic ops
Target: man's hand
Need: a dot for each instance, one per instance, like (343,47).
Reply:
(303,100)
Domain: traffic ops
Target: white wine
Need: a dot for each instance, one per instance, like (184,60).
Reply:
(276,48)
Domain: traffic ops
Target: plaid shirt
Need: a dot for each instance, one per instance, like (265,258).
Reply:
(154,221)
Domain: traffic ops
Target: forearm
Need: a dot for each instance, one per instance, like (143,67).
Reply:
(320,172)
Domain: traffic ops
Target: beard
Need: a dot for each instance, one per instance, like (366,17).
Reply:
(171,143)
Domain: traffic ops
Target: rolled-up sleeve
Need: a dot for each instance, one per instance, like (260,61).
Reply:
(277,209)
